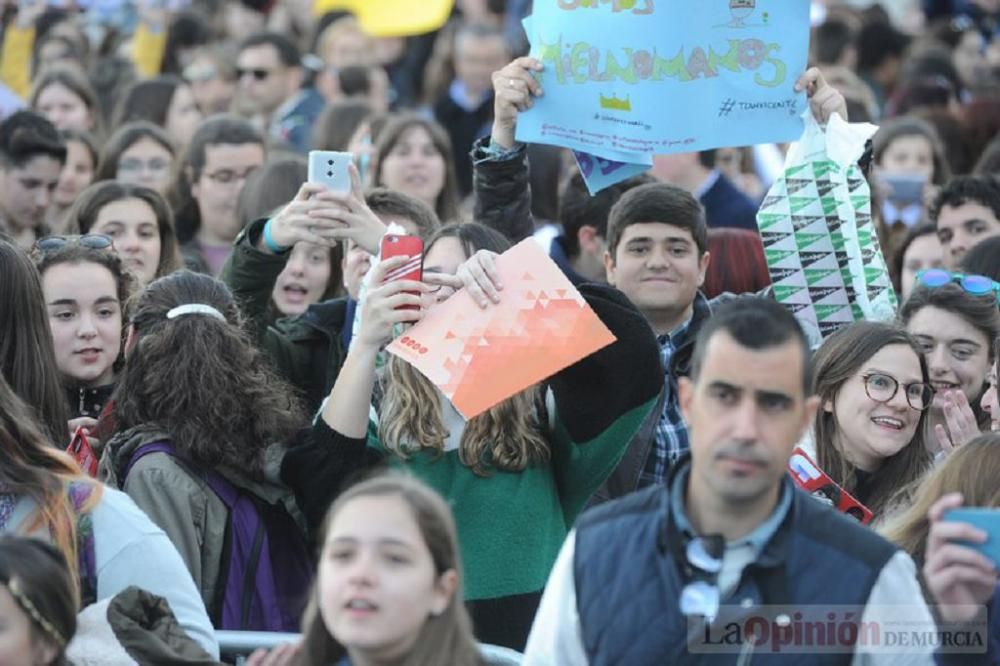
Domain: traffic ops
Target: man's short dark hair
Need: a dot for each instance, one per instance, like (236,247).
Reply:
(25,135)
(288,53)
(983,259)
(386,202)
(878,42)
(756,323)
(577,208)
(221,129)
(660,203)
(707,158)
(830,40)
(961,190)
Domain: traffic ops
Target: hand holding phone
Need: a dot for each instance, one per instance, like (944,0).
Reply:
(987,520)
(330,168)
(81,450)
(904,189)
(404,246)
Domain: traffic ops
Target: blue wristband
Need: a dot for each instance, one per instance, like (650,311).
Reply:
(269,242)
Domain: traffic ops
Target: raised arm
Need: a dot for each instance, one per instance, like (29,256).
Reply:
(261,251)
(500,168)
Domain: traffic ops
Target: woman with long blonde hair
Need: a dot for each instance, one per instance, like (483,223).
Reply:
(971,469)
(516,475)
(108,543)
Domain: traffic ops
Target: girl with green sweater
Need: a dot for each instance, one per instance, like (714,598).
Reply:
(517,475)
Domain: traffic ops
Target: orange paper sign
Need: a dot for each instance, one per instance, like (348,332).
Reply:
(480,357)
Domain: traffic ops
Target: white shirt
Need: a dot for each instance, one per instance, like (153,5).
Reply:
(131,550)
(556,636)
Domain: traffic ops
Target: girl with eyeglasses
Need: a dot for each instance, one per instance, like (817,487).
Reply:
(872,382)
(85,286)
(955,320)
(137,220)
(138,153)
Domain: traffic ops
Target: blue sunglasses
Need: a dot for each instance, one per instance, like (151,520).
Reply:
(977,285)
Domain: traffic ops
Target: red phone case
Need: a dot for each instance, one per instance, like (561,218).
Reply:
(405,246)
(808,476)
(83,453)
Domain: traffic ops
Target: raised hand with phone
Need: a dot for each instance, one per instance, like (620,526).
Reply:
(356,220)
(959,577)
(328,208)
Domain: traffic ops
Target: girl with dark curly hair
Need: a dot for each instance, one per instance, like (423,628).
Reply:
(200,416)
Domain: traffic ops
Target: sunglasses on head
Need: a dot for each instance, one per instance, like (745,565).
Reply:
(93,241)
(977,285)
(257,73)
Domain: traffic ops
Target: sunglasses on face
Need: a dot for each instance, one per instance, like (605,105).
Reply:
(977,285)
(257,73)
(92,241)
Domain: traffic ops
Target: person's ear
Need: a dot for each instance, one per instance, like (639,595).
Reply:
(685,396)
(195,188)
(811,407)
(328,84)
(444,592)
(131,338)
(609,267)
(703,263)
(588,240)
(44,651)
(295,78)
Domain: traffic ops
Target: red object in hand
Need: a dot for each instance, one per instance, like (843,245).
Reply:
(405,246)
(83,453)
(810,478)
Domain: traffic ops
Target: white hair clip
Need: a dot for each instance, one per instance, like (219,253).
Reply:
(195,308)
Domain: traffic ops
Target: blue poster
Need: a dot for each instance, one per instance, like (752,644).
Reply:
(628,79)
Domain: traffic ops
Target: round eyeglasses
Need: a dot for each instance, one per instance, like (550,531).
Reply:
(883,388)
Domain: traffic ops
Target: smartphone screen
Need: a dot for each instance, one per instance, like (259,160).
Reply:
(904,190)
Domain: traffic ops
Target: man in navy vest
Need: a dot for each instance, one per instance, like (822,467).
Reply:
(656,577)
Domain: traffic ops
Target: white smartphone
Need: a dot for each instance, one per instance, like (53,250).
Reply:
(329,168)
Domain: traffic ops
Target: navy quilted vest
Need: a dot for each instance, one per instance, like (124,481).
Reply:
(628,584)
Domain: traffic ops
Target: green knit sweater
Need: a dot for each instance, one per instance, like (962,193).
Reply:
(512,524)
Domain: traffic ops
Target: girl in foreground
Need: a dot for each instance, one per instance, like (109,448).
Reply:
(387,590)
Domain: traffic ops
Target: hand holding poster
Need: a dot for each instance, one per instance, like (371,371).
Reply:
(628,79)
(480,357)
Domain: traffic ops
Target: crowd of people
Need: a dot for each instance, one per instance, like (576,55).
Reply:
(201,429)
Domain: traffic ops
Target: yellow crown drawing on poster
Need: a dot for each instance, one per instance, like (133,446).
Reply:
(616,104)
